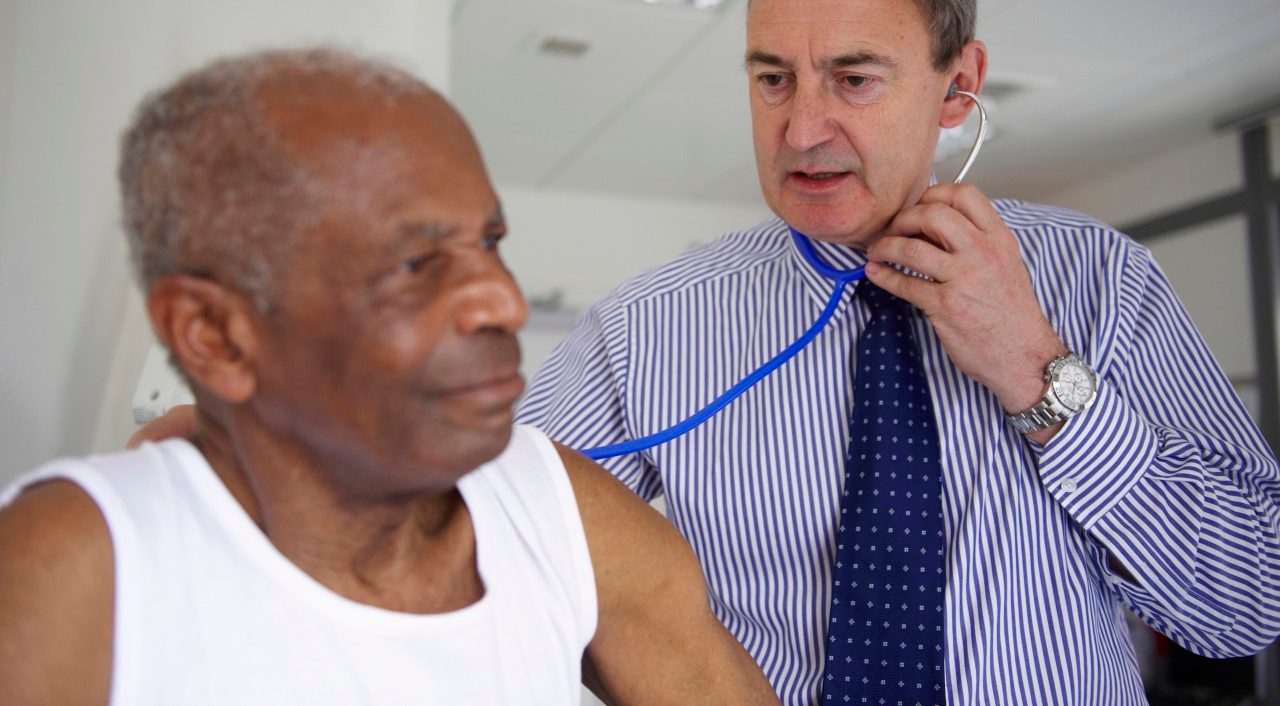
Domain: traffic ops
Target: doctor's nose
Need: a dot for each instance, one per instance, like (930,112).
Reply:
(811,122)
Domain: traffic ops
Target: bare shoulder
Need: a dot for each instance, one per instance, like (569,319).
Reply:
(611,513)
(56,599)
(54,526)
(657,641)
(636,553)
(589,480)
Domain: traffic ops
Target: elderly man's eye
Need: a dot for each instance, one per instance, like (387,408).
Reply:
(416,264)
(856,81)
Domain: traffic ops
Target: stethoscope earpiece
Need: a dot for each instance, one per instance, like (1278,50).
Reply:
(982,130)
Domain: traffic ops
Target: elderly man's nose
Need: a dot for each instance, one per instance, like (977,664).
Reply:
(492,300)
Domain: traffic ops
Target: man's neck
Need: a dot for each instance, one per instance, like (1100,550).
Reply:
(410,552)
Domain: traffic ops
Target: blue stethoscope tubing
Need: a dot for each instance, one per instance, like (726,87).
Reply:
(840,277)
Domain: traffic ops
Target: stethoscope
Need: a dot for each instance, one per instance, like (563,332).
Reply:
(840,277)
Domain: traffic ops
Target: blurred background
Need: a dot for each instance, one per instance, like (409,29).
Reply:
(618,134)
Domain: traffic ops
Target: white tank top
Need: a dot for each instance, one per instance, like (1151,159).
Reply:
(208,612)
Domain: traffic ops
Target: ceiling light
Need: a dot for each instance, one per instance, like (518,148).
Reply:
(1003,90)
(707,5)
(566,47)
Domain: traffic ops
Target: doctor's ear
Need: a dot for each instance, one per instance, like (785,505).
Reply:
(967,74)
(210,330)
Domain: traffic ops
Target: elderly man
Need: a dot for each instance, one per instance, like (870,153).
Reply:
(354,521)
(909,512)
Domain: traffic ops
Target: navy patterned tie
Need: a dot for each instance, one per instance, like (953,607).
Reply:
(885,638)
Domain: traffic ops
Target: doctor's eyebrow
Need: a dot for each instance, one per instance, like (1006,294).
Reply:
(861,58)
(760,57)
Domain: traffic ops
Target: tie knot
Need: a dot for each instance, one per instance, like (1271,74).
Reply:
(876,298)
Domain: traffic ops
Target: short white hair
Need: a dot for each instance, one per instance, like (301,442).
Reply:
(207,188)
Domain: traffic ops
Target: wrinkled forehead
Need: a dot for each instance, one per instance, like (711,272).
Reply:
(831,27)
(833,8)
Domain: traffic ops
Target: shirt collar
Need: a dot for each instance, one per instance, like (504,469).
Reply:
(837,256)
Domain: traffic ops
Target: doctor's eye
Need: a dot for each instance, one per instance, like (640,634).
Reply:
(771,80)
(773,86)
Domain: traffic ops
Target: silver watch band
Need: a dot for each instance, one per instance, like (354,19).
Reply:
(1046,413)
(1051,410)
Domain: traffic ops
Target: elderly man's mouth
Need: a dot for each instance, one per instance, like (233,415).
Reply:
(506,387)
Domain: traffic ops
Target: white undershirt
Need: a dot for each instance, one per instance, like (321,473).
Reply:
(209,612)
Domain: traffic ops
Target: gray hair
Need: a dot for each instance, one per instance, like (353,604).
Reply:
(952,24)
(208,187)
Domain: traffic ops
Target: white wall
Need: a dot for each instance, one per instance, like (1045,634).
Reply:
(71,71)
(8,33)
(1178,177)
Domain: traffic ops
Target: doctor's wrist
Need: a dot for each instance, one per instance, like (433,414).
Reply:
(1024,385)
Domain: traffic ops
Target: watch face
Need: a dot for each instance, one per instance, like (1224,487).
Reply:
(1074,385)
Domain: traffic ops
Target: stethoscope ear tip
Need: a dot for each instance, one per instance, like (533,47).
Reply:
(982,130)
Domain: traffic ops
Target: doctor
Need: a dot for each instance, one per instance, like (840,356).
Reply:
(955,491)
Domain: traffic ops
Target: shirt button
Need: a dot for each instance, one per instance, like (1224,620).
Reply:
(1069,485)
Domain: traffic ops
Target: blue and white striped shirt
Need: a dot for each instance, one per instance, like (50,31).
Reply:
(1165,471)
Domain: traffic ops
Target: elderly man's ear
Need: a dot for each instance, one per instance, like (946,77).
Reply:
(212,332)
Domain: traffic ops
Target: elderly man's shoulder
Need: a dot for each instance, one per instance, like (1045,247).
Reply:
(111,473)
(50,522)
(56,599)
(72,500)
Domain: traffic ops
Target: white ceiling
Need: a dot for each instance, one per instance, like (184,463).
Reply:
(657,106)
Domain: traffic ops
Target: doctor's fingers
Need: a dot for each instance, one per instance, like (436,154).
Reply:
(915,254)
(968,200)
(939,223)
(922,293)
(180,421)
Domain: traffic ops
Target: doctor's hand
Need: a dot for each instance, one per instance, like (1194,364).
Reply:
(180,420)
(980,300)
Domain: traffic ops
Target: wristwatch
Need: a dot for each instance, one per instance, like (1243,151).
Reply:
(1072,387)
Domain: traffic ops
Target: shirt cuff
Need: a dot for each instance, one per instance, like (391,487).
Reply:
(1099,455)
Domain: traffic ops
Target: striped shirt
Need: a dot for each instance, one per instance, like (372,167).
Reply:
(1165,472)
